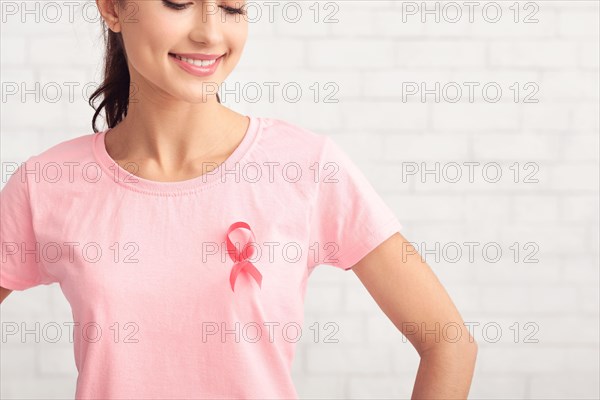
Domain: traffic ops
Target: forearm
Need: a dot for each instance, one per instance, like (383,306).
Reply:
(445,372)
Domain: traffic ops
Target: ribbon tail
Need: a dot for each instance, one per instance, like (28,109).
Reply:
(234,274)
(255,274)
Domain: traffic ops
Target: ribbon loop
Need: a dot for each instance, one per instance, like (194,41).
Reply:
(241,233)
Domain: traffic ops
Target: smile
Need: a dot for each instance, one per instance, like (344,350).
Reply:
(198,63)
(196,67)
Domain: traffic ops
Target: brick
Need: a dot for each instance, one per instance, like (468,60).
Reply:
(405,359)
(489,209)
(379,329)
(63,50)
(529,53)
(578,23)
(317,386)
(562,385)
(515,22)
(439,53)
(364,147)
(504,272)
(387,181)
(324,298)
(386,83)
(352,20)
(336,358)
(290,53)
(358,299)
(544,116)
(349,54)
(586,116)
(521,358)
(519,300)
(32,18)
(551,239)
(38,388)
(582,208)
(576,177)
(430,208)
(55,360)
(475,117)
(581,269)
(519,147)
(299,19)
(395,387)
(535,208)
(589,299)
(425,148)
(580,146)
(559,85)
(499,386)
(384,115)
(589,53)
(18,360)
(14,49)
(390,23)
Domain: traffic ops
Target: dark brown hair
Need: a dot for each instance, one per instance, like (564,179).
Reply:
(115,85)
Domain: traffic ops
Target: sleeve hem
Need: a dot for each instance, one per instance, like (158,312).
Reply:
(9,283)
(370,243)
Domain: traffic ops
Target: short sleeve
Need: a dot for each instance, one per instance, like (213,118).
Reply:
(21,264)
(349,218)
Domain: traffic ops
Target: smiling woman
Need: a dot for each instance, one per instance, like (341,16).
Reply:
(150,271)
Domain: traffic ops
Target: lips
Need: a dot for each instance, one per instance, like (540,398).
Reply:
(197,67)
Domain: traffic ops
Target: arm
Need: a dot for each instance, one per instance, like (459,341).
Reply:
(409,293)
(4,293)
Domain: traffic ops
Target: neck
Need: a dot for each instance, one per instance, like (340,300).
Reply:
(172,135)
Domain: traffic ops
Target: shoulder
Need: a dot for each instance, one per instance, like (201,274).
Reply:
(288,141)
(71,150)
(56,167)
(285,134)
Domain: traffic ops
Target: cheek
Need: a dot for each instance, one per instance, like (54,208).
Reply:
(149,33)
(147,44)
(240,33)
(236,37)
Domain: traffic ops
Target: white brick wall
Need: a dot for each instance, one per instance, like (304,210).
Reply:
(386,131)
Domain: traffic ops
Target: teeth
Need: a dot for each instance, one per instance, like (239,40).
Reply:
(199,63)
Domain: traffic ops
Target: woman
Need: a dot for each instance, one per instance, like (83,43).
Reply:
(190,216)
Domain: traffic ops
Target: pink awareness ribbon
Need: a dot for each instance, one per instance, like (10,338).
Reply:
(241,233)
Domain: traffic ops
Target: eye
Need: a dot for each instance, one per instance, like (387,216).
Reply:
(174,6)
(233,10)
(228,9)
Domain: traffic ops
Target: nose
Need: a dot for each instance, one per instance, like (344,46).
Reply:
(207,26)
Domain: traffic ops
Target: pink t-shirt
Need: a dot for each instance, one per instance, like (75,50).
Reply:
(148,272)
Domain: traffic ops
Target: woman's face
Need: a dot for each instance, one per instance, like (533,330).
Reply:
(155,30)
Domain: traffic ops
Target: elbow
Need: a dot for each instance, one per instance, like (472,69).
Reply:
(469,348)
(465,350)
